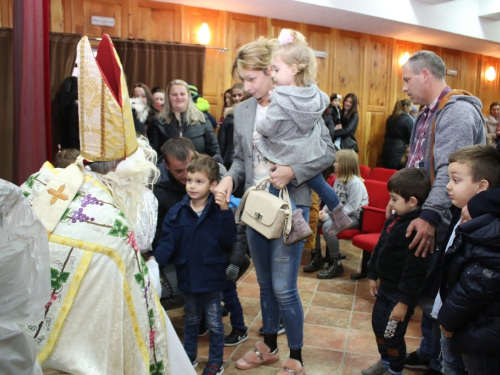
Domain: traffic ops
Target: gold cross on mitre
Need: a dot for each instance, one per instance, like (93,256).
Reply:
(57,194)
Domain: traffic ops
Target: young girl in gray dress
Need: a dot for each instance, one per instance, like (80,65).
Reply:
(291,129)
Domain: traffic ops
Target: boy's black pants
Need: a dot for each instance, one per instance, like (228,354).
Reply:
(390,349)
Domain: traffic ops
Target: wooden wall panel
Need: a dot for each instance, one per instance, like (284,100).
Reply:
(371,138)
(103,9)
(489,91)
(471,73)
(349,73)
(452,60)
(56,16)
(213,76)
(157,24)
(6,13)
(399,49)
(319,39)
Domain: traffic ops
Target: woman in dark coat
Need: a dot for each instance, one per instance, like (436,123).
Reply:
(181,118)
(349,123)
(397,135)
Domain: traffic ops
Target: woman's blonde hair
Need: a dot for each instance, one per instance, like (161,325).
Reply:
(192,116)
(298,53)
(347,165)
(254,56)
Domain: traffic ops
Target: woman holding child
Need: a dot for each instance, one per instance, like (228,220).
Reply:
(276,264)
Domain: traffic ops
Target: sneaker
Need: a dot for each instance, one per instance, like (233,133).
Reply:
(413,361)
(379,368)
(300,228)
(203,330)
(213,370)
(236,337)
(194,361)
(261,355)
(281,329)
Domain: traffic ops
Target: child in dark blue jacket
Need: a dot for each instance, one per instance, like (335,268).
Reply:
(468,307)
(195,231)
(400,272)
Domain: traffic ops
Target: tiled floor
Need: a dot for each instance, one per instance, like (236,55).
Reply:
(338,338)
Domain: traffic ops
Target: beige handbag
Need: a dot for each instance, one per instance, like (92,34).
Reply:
(269,215)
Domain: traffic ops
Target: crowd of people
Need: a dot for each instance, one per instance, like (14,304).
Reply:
(153,179)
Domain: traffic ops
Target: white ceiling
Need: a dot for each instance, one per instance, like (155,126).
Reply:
(467,25)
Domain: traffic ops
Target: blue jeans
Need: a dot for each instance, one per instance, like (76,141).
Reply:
(233,306)
(210,304)
(482,364)
(320,186)
(452,363)
(391,349)
(277,267)
(430,345)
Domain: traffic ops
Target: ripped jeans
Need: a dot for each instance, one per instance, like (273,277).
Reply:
(277,267)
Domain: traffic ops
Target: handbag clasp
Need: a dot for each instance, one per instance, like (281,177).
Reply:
(257,216)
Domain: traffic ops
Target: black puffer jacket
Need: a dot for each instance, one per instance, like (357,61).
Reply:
(225,139)
(470,286)
(202,135)
(397,136)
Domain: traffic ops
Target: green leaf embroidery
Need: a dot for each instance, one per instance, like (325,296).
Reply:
(31,180)
(26,194)
(65,215)
(156,368)
(121,214)
(151,318)
(57,279)
(140,279)
(118,230)
(78,195)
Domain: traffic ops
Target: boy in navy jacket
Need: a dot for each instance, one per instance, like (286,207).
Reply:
(469,306)
(400,272)
(195,231)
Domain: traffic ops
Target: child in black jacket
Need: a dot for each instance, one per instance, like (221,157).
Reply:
(400,272)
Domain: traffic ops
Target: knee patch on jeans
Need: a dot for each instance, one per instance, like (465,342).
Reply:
(380,340)
(393,352)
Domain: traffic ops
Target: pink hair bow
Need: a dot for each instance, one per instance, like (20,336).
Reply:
(285,37)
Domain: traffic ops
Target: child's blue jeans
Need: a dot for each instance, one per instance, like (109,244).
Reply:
(210,304)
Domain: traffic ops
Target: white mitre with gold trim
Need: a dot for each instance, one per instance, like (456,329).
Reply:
(107,129)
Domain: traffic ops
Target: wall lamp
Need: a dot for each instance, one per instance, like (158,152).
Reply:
(490,74)
(204,38)
(403,59)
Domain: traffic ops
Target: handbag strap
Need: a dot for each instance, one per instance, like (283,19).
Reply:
(237,214)
(287,228)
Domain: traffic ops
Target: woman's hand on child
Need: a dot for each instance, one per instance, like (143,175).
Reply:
(446,333)
(321,216)
(424,237)
(465,215)
(337,127)
(399,312)
(225,186)
(281,175)
(220,199)
(373,287)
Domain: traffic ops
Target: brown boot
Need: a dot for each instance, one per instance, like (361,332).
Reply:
(300,228)
(340,221)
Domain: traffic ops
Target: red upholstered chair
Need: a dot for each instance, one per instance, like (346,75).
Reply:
(381,174)
(364,170)
(372,222)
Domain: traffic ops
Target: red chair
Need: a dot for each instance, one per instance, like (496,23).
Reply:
(372,223)
(381,174)
(364,170)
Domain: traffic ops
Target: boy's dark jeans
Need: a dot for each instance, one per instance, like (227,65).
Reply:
(233,306)
(210,304)
(393,349)
(482,364)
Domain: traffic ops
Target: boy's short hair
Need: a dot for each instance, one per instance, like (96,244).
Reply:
(483,162)
(65,157)
(205,164)
(410,182)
